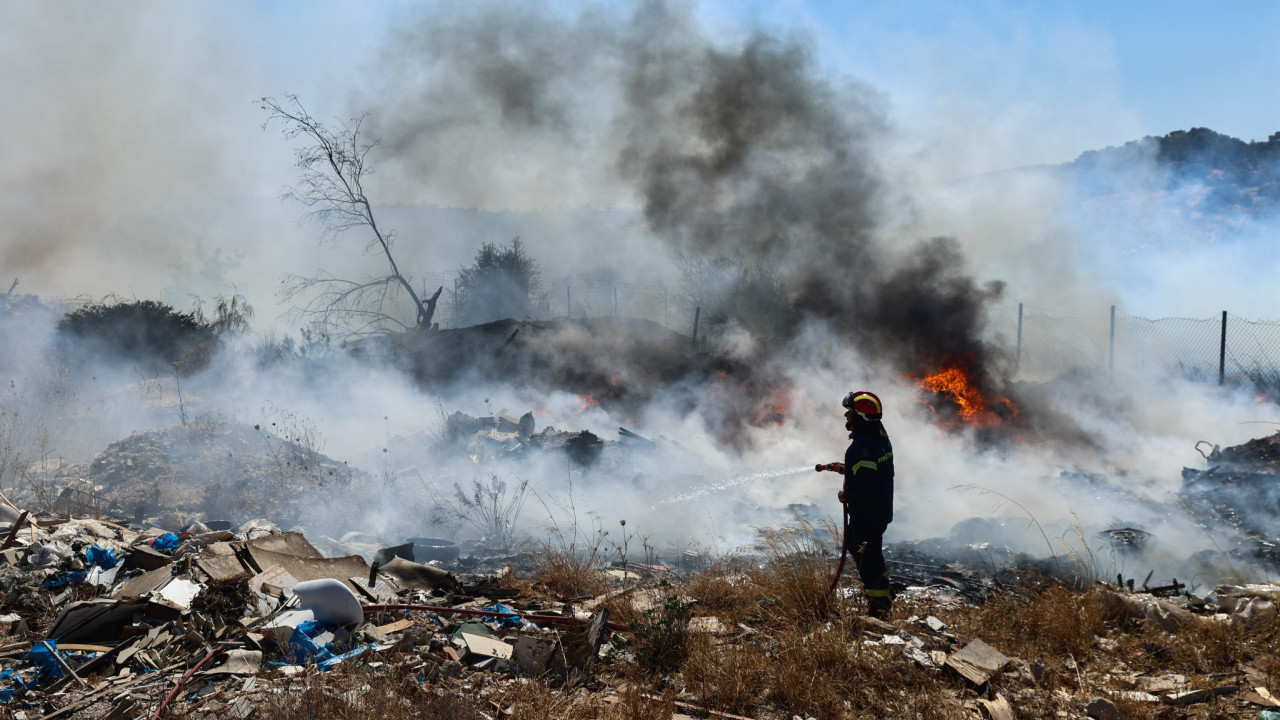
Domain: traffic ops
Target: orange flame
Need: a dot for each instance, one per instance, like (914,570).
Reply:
(955,384)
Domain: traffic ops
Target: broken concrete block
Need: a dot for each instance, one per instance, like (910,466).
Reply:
(240,662)
(12,624)
(921,658)
(1162,683)
(275,576)
(380,592)
(977,662)
(179,592)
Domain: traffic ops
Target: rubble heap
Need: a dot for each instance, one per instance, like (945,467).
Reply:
(104,619)
(215,468)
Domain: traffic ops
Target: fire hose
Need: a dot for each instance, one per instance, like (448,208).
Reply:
(178,687)
(817,606)
(844,544)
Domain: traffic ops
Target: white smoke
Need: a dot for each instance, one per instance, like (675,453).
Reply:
(140,168)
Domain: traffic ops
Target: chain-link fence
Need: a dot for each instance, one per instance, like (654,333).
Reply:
(1217,349)
(578,298)
(1044,342)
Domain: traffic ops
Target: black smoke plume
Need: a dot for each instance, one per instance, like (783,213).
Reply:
(740,144)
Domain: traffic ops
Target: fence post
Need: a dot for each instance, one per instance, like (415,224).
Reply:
(696,312)
(1222,352)
(1111,357)
(568,301)
(615,301)
(1018,362)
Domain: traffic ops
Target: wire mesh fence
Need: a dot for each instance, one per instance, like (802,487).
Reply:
(578,298)
(1218,349)
(1045,342)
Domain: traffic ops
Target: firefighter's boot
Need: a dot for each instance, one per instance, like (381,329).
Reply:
(879,604)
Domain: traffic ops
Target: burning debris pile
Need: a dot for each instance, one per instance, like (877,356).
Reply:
(621,365)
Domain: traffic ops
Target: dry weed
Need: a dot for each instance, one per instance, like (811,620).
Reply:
(815,673)
(1209,646)
(723,589)
(728,677)
(358,694)
(635,702)
(539,700)
(1034,620)
(799,564)
(567,575)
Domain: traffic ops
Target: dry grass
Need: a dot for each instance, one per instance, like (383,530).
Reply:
(566,575)
(356,693)
(729,677)
(1037,620)
(724,589)
(538,700)
(799,562)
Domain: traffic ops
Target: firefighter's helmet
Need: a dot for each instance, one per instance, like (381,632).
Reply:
(864,404)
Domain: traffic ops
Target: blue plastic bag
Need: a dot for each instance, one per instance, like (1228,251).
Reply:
(65,578)
(308,651)
(101,557)
(47,665)
(166,543)
(509,622)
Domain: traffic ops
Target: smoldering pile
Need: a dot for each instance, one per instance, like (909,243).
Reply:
(204,468)
(622,365)
(1240,490)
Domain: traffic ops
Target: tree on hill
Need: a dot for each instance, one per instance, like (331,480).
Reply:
(499,284)
(333,169)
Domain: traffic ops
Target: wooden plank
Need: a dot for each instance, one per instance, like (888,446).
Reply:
(84,647)
(13,532)
(396,626)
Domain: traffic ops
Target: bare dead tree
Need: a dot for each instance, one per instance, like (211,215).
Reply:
(333,168)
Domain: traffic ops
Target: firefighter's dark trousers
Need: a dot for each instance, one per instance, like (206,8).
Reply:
(865,546)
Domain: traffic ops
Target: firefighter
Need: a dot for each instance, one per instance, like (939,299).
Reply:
(867,495)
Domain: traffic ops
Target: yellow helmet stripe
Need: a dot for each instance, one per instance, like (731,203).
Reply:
(872,398)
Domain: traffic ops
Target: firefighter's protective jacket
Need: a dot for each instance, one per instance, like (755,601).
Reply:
(868,479)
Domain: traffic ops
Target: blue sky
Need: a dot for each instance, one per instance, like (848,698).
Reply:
(971,86)
(1162,66)
(1089,73)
